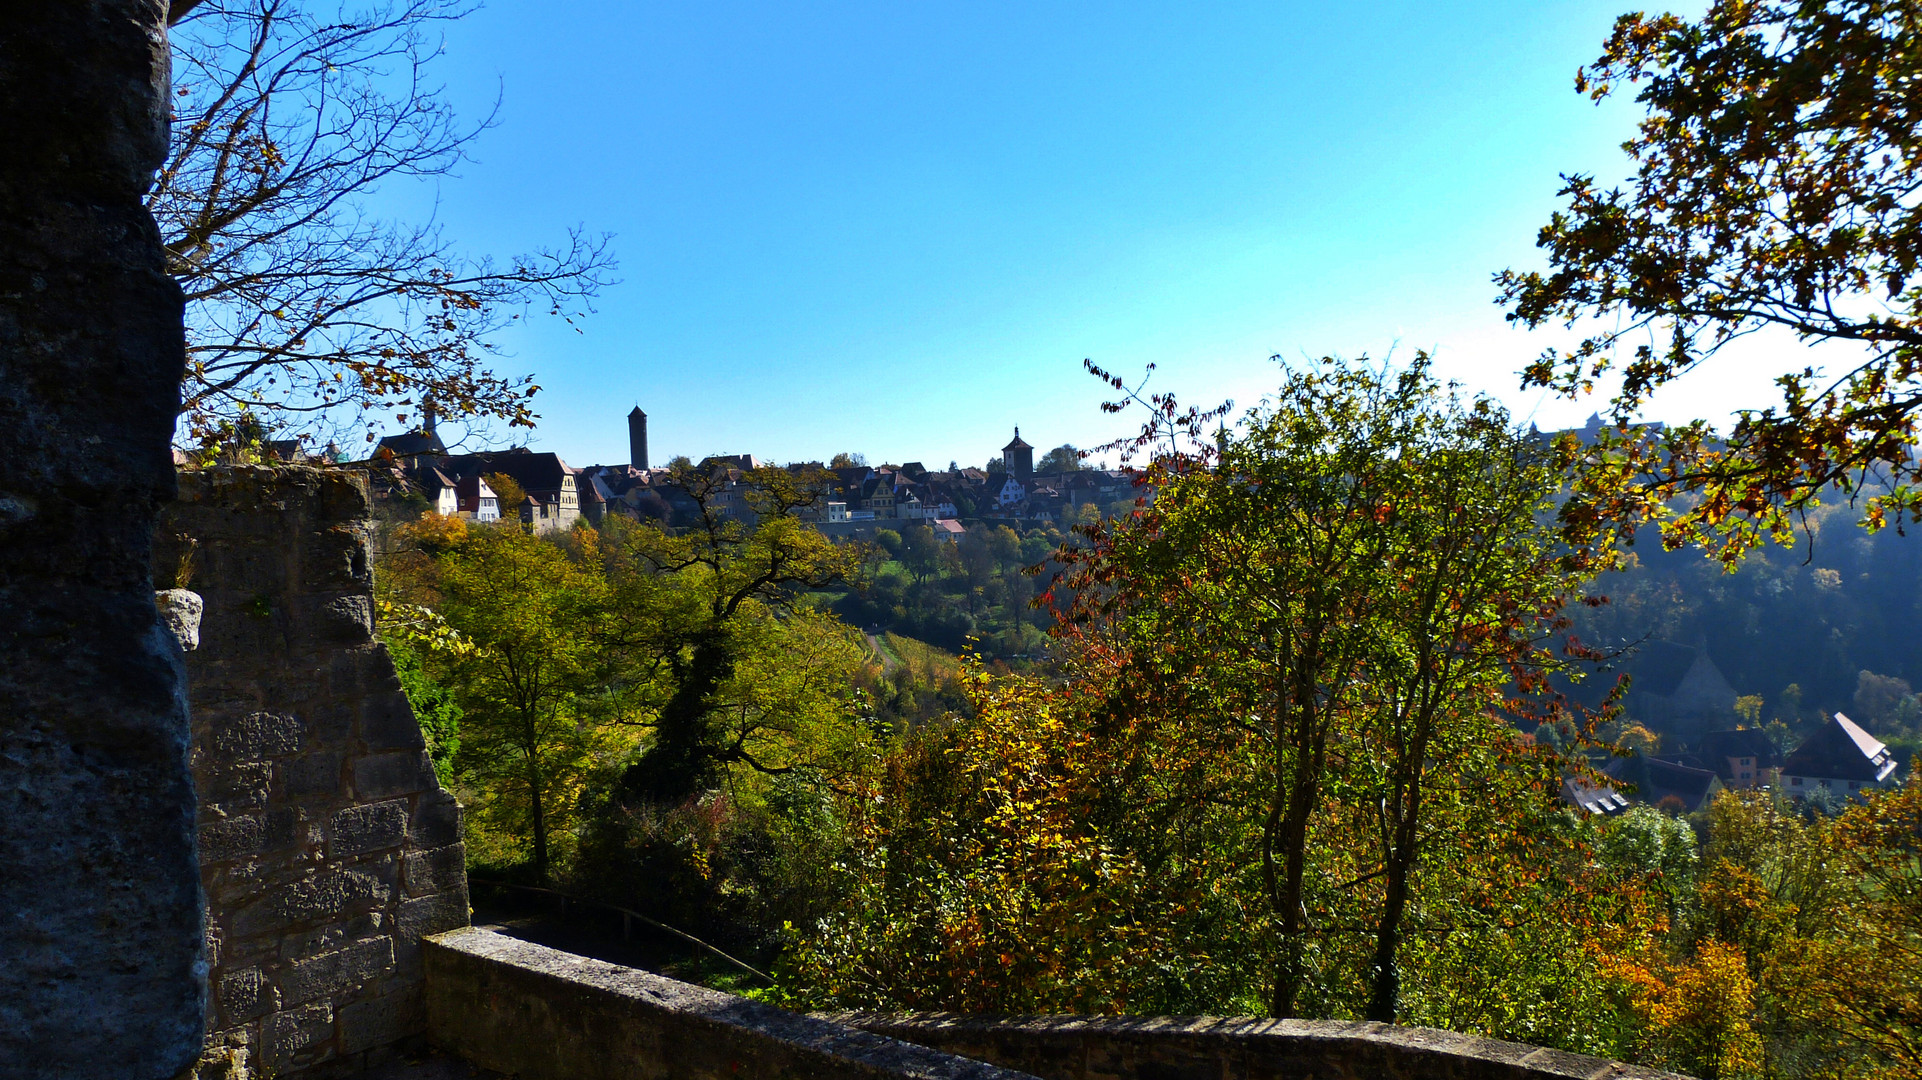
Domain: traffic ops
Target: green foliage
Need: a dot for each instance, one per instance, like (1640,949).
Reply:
(973,595)
(1773,187)
(1110,843)
(434,707)
(528,610)
(1338,592)
(716,619)
(1061,459)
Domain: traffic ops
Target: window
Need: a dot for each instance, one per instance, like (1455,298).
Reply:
(1795,781)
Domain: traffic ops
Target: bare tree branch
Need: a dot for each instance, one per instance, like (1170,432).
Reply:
(302,303)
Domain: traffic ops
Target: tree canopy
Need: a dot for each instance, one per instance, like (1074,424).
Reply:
(301,303)
(1775,188)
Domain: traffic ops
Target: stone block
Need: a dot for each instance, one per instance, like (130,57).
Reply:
(380,776)
(180,611)
(256,735)
(227,838)
(331,724)
(380,1022)
(424,873)
(334,560)
(288,1033)
(377,669)
(359,829)
(234,786)
(436,820)
(387,722)
(311,943)
(324,895)
(344,498)
(310,775)
(245,994)
(308,944)
(344,672)
(433,914)
(343,620)
(352,966)
(285,828)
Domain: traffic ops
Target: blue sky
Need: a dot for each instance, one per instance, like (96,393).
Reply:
(899,228)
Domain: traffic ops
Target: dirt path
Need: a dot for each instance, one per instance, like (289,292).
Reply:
(888,662)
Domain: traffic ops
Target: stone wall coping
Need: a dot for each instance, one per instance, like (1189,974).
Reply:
(1428,1051)
(636,998)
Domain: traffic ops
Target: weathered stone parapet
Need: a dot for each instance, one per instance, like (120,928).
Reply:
(99,900)
(543,1014)
(327,846)
(1140,1048)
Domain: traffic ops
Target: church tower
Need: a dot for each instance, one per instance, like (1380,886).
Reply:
(1018,458)
(637,438)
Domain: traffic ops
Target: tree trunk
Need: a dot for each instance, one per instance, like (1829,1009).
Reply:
(1292,837)
(1399,861)
(1386,999)
(685,758)
(537,800)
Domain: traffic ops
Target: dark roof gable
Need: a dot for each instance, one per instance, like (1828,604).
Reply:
(1841,750)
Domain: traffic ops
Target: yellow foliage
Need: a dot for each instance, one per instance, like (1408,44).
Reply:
(434,532)
(1696,1011)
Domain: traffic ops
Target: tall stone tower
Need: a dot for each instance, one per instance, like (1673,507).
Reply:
(1018,458)
(637,438)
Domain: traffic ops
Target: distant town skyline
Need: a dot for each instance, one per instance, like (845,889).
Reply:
(900,230)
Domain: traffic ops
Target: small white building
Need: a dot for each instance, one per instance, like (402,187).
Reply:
(478,501)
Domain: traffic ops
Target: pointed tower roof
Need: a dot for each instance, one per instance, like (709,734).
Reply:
(1017,444)
(636,411)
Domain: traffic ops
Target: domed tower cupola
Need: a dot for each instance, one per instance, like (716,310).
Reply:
(1018,457)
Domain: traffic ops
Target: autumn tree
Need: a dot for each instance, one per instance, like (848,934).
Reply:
(986,879)
(1774,189)
(1870,976)
(528,613)
(686,605)
(1477,588)
(1341,586)
(508,494)
(303,302)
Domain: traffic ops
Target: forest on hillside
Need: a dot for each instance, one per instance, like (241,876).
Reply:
(1267,758)
(1822,625)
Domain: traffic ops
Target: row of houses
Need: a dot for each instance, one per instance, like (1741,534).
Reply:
(1839,759)
(556,494)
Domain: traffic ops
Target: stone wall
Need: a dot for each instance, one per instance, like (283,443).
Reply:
(1193,1048)
(542,1014)
(99,902)
(327,847)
